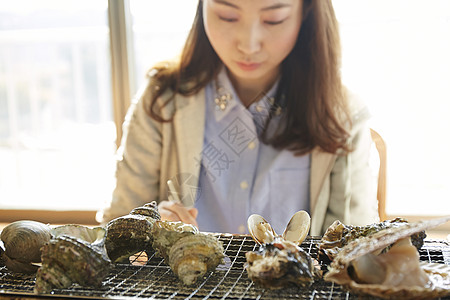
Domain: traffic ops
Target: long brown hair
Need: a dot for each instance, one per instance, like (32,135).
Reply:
(315,107)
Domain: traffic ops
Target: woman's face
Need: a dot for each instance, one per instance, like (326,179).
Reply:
(252,37)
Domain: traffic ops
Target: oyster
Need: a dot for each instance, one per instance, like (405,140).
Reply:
(189,253)
(130,234)
(363,266)
(338,235)
(192,256)
(75,254)
(165,234)
(23,241)
(279,261)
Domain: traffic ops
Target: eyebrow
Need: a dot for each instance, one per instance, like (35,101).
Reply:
(226,3)
(272,7)
(276,6)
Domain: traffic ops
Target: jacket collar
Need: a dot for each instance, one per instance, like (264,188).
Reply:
(189,127)
(321,165)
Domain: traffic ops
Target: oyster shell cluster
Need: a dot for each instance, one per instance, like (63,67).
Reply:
(386,264)
(60,256)
(74,254)
(339,235)
(279,261)
(189,253)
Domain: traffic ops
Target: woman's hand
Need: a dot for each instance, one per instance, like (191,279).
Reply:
(172,211)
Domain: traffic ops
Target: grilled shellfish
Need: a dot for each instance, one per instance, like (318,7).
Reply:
(75,254)
(192,256)
(364,265)
(23,241)
(279,261)
(189,253)
(338,235)
(130,234)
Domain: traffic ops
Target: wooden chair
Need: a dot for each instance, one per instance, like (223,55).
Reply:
(381,191)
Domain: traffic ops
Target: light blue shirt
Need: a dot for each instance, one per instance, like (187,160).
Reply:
(239,174)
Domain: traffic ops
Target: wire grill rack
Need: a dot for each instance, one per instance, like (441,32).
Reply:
(155,280)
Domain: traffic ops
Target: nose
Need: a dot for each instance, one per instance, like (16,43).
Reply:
(249,39)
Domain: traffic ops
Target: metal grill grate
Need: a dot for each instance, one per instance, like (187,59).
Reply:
(229,281)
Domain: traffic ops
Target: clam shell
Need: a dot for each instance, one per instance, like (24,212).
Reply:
(261,231)
(297,228)
(438,273)
(22,241)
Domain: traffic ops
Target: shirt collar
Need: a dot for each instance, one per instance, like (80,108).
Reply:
(223,88)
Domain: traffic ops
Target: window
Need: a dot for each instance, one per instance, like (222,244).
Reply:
(159,31)
(396,57)
(56,130)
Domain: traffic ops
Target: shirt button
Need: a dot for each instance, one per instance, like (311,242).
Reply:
(244,185)
(251,145)
(241,229)
(259,108)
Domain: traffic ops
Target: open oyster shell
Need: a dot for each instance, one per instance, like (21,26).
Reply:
(339,235)
(279,261)
(362,267)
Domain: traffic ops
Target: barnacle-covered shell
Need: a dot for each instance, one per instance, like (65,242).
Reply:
(68,258)
(149,210)
(166,234)
(130,234)
(192,256)
(280,264)
(363,266)
(338,235)
(22,241)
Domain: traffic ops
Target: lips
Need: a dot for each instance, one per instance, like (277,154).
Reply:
(246,66)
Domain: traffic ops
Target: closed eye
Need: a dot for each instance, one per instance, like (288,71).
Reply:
(274,22)
(230,20)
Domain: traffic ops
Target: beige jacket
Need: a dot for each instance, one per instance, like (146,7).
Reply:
(342,187)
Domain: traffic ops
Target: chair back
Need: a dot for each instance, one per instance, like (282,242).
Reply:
(381,190)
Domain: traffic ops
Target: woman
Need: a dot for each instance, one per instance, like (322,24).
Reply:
(253,118)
